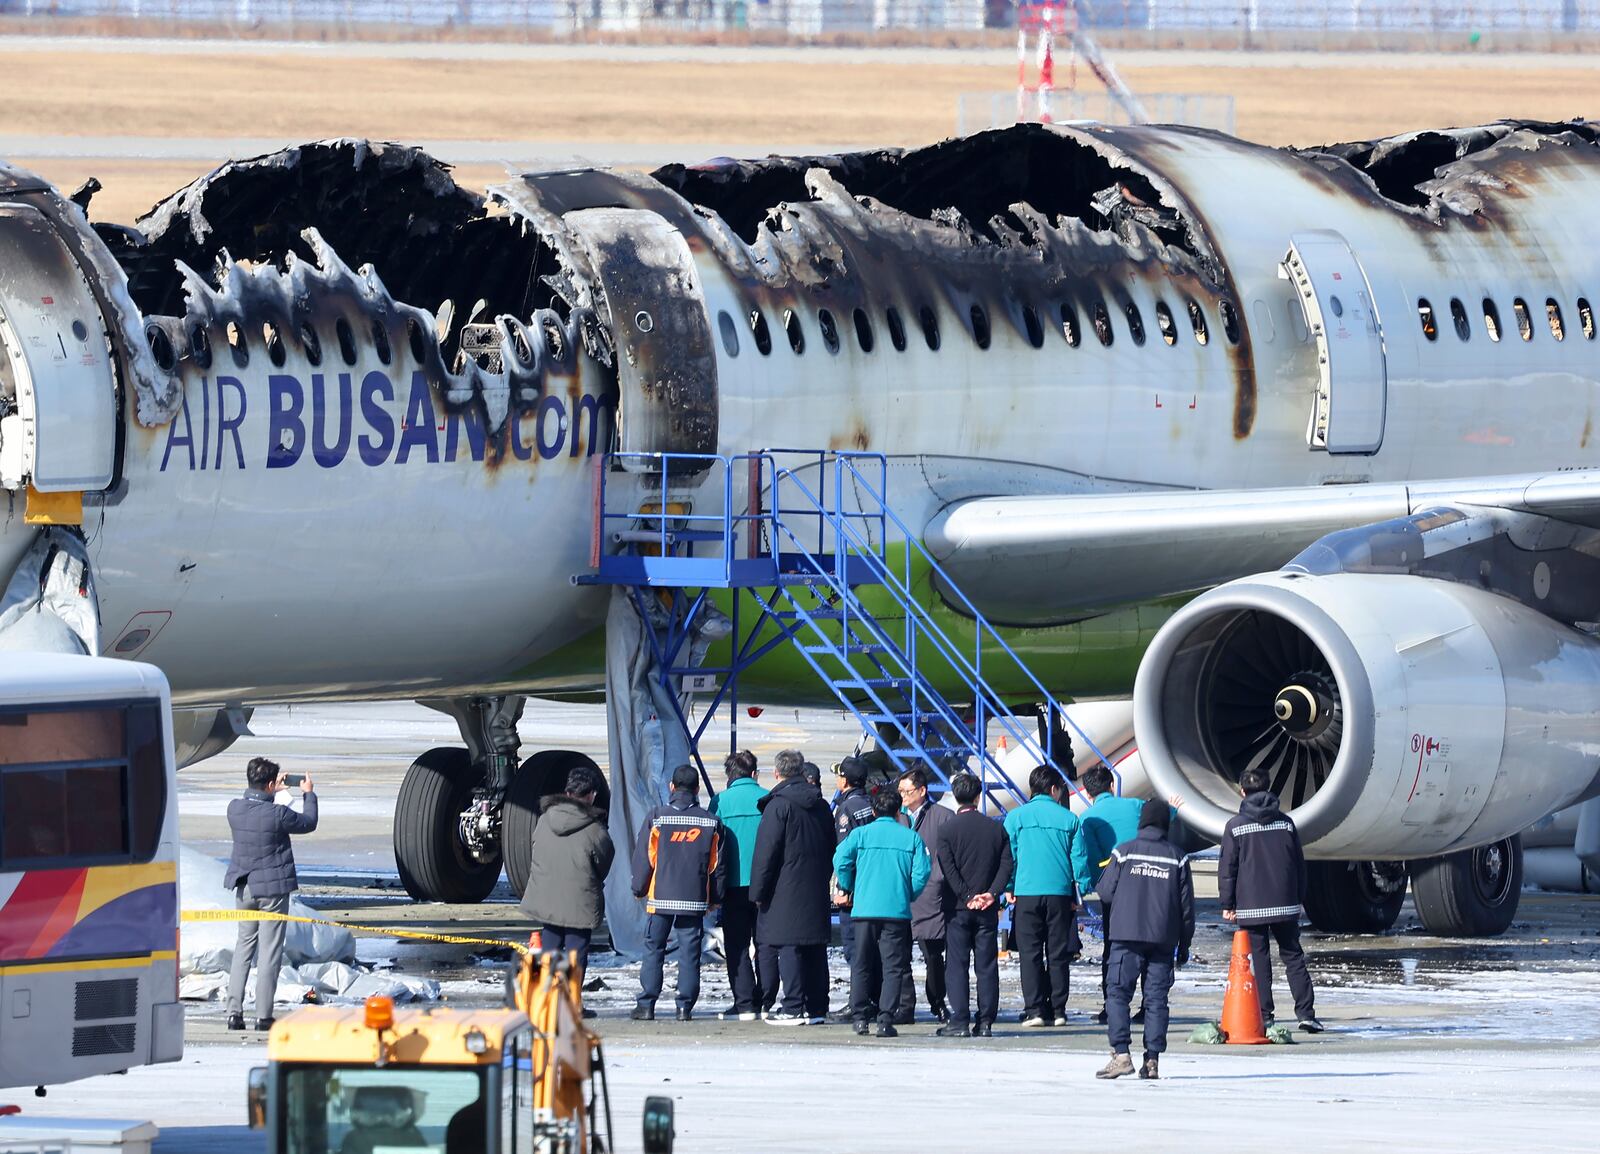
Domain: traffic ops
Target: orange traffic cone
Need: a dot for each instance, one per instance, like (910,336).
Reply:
(1241,1004)
(1001,748)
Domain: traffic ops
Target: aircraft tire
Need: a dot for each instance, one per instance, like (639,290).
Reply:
(537,778)
(1354,897)
(1471,894)
(434,865)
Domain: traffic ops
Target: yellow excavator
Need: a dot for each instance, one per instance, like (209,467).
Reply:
(525,1078)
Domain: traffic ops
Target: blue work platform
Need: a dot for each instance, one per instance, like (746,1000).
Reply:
(808,536)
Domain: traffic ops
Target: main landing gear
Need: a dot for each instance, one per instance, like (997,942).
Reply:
(1470,894)
(464,813)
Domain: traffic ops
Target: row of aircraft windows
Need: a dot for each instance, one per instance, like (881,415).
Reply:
(1067,317)
(277,352)
(1491,319)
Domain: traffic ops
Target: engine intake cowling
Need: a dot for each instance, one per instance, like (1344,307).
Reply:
(1396,716)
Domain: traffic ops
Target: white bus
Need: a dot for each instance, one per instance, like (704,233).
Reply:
(88,869)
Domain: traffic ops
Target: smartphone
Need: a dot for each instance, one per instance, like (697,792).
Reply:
(293,780)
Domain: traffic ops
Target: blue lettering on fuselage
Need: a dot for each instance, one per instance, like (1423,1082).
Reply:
(342,413)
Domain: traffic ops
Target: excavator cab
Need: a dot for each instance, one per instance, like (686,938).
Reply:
(526,1078)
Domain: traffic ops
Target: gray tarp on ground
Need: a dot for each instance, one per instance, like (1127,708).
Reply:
(49,605)
(645,742)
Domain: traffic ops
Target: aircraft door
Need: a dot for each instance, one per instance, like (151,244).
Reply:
(666,369)
(58,414)
(1353,385)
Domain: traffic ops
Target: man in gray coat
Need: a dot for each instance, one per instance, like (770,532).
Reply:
(927,911)
(261,875)
(572,853)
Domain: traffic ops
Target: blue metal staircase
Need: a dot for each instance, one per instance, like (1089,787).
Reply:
(835,572)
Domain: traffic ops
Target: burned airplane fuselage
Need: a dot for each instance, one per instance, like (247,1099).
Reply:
(354,408)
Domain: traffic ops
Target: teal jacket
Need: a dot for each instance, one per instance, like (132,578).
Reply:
(1047,845)
(736,808)
(1107,823)
(882,866)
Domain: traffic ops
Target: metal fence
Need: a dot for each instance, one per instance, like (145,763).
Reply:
(979,110)
(1141,19)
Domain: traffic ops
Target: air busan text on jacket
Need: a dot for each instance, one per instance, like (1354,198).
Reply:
(1292,448)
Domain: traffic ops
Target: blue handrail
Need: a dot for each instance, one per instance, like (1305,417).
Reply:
(971,671)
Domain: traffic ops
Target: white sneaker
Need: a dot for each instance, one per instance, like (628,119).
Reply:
(788,1020)
(1062,1020)
(1035,1023)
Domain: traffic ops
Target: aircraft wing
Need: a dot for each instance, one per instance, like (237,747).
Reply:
(1048,559)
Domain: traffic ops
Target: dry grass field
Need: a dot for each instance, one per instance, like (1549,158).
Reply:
(700,106)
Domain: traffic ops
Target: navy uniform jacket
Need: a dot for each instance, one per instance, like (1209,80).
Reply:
(1150,891)
(1261,874)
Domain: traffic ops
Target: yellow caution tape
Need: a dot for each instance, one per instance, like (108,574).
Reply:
(412,935)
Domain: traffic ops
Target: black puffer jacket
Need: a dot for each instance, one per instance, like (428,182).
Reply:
(793,866)
(572,853)
(1261,874)
(262,855)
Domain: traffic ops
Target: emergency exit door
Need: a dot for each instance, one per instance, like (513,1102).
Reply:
(58,414)
(1353,380)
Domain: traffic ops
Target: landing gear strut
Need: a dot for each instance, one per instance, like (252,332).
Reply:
(1471,894)
(1356,897)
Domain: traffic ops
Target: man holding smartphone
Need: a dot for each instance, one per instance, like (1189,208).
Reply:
(262,876)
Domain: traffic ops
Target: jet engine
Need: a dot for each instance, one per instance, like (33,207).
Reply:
(1397,717)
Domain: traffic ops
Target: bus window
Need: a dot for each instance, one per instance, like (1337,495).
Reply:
(80,785)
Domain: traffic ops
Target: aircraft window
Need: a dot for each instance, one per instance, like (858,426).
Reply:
(1069,326)
(797,336)
(200,345)
(758,329)
(729,332)
(930,327)
(1336,305)
(555,337)
(1135,322)
(1430,327)
(347,341)
(1552,312)
(1491,319)
(380,341)
(237,345)
(275,350)
(830,329)
(1197,318)
(1169,331)
(1265,331)
(863,330)
(897,329)
(1458,314)
(1030,321)
(419,344)
(1586,318)
(1102,323)
(1524,321)
(1230,319)
(311,343)
(1297,320)
(161,348)
(980,326)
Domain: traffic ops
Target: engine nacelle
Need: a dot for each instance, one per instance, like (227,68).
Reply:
(1396,716)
